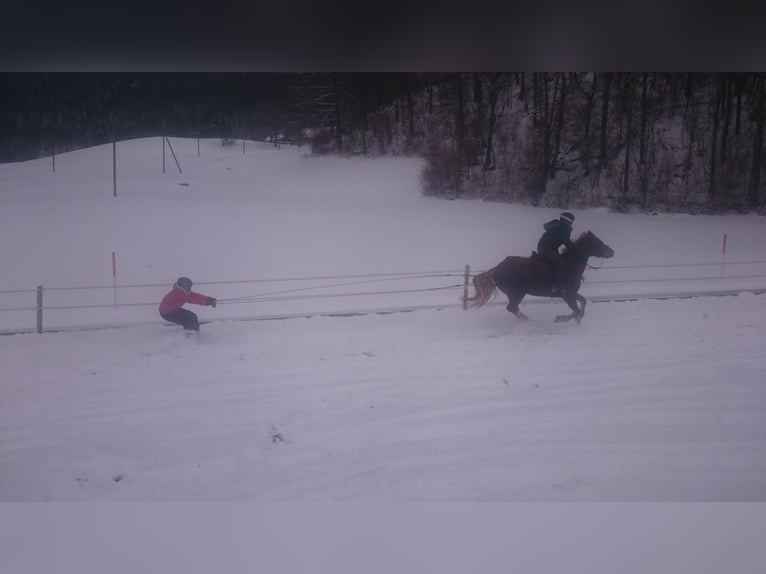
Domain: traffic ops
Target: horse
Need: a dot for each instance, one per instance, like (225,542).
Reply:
(520,276)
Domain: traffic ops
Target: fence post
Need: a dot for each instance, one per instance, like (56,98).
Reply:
(53,157)
(163,151)
(465,287)
(39,309)
(723,253)
(243,146)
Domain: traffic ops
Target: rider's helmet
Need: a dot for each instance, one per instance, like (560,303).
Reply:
(184,284)
(567,217)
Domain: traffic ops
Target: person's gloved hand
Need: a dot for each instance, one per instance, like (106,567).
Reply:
(212,302)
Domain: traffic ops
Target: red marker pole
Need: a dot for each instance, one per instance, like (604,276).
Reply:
(723,252)
(114,277)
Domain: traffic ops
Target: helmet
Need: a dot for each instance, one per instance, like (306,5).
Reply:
(567,217)
(184,283)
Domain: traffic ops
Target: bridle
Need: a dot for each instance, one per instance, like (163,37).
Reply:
(600,266)
(586,257)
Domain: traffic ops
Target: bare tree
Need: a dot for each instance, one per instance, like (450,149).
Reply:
(642,144)
(460,113)
(605,119)
(489,158)
(559,123)
(716,121)
(590,96)
(628,110)
(759,112)
(316,102)
(741,83)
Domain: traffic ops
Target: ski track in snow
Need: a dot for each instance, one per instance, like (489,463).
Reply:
(643,401)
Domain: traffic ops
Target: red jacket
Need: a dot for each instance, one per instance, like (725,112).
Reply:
(174,300)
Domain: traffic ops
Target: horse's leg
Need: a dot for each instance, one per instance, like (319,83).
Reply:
(507,281)
(583,301)
(577,312)
(514,298)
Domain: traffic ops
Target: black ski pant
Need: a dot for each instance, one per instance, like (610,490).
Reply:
(183,317)
(557,263)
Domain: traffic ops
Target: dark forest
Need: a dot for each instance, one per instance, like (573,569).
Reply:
(691,142)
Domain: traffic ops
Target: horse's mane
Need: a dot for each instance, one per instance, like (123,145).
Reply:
(585,235)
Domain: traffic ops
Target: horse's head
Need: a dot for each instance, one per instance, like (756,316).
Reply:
(588,245)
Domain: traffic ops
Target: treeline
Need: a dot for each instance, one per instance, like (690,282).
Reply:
(45,112)
(674,141)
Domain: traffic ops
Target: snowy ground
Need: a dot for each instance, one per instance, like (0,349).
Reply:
(643,401)
(647,400)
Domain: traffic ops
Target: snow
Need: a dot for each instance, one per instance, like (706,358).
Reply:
(423,406)
(646,400)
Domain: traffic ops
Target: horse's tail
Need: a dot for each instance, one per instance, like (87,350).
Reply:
(484,288)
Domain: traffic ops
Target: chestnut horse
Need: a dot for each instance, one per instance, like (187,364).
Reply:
(521,276)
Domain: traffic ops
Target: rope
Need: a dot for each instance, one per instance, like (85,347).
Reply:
(358,294)
(92,306)
(345,284)
(656,265)
(283,295)
(426,274)
(450,273)
(716,277)
(224,302)
(265,299)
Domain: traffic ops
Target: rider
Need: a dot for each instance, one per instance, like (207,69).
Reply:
(557,233)
(181,293)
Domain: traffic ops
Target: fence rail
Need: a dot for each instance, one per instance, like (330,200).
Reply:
(340,287)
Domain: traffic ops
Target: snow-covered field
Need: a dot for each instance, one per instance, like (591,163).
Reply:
(646,400)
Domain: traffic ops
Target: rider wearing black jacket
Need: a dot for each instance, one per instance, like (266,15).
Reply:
(557,233)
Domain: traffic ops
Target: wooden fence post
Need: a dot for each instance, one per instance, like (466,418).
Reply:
(465,287)
(39,309)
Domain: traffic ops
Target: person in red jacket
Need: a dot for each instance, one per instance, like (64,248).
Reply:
(172,303)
